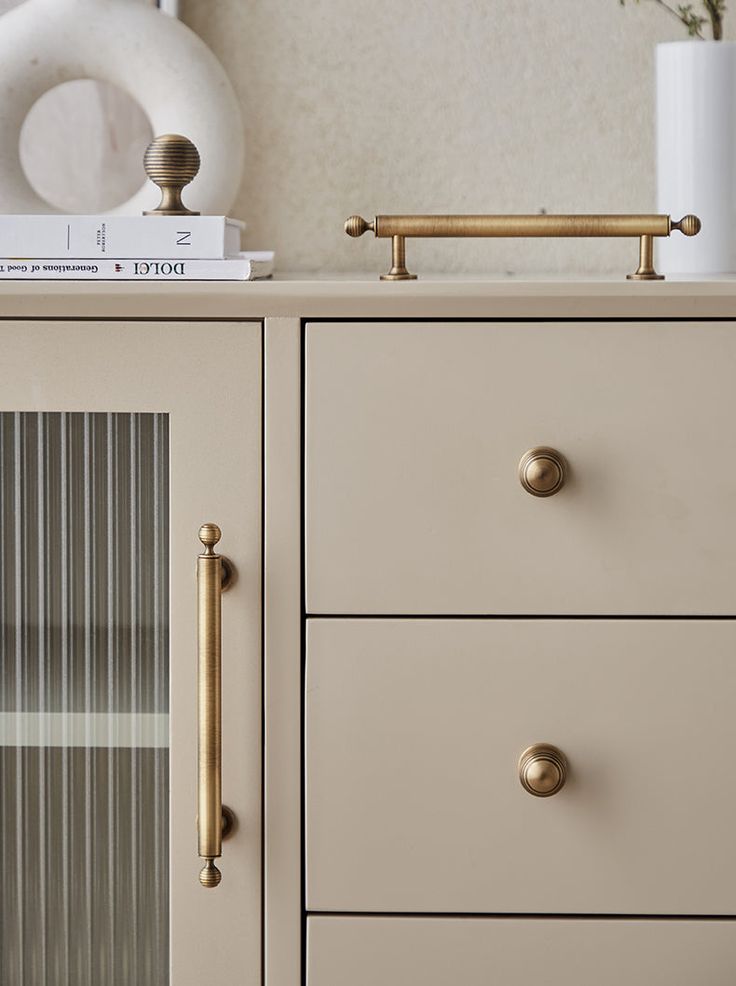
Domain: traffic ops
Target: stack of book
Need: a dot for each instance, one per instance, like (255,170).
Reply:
(127,248)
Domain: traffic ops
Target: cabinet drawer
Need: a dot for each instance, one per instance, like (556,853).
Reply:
(513,952)
(414,434)
(414,729)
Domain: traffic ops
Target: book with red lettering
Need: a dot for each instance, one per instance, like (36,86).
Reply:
(248,266)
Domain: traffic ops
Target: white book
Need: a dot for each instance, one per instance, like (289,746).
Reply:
(243,267)
(88,237)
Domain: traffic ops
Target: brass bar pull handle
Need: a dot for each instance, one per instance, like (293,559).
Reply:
(398,228)
(212,578)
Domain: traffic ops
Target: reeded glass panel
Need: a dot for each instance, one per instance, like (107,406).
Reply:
(84,699)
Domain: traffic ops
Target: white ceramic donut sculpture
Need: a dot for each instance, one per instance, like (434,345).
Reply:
(159,61)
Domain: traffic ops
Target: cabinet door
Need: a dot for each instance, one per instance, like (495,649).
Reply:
(117,441)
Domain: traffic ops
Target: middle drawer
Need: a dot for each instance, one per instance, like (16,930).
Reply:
(414,730)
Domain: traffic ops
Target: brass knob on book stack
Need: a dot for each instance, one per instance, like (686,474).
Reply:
(171,162)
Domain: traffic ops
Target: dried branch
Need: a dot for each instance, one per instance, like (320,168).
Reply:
(685,14)
(716,9)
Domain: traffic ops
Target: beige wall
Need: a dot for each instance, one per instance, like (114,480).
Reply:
(436,106)
(404,106)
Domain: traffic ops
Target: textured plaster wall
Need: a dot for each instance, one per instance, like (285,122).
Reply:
(437,106)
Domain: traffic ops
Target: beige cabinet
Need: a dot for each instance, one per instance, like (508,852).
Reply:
(408,619)
(520,583)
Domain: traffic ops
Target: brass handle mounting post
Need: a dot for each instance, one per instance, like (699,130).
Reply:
(214,820)
(646,227)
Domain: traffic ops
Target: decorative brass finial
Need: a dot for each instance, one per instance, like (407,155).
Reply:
(171,162)
(209,535)
(688,225)
(356,226)
(209,875)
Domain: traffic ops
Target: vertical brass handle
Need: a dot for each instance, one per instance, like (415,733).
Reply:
(212,578)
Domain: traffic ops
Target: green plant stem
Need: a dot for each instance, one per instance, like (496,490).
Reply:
(671,10)
(716,18)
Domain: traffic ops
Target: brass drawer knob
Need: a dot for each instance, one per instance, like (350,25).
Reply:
(542,770)
(542,471)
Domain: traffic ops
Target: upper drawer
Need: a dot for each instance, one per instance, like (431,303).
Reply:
(414,433)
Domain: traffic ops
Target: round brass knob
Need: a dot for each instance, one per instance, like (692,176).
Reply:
(542,770)
(171,162)
(542,471)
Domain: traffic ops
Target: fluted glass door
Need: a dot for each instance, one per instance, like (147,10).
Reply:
(84,699)
(119,439)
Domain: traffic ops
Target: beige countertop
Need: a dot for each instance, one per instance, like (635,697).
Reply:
(351,296)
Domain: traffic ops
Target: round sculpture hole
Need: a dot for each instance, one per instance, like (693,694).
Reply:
(82,144)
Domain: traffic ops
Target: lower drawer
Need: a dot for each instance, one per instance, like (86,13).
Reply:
(519,952)
(414,730)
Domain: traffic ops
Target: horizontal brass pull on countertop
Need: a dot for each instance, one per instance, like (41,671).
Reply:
(646,227)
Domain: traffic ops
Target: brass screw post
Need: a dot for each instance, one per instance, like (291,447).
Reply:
(645,271)
(398,270)
(171,162)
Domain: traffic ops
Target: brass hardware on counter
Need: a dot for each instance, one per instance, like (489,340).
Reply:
(646,227)
(542,471)
(542,770)
(171,162)
(214,820)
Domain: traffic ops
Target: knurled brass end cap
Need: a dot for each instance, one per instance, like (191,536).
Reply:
(209,535)
(688,225)
(209,875)
(356,226)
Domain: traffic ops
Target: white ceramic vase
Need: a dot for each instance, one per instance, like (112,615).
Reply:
(696,153)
